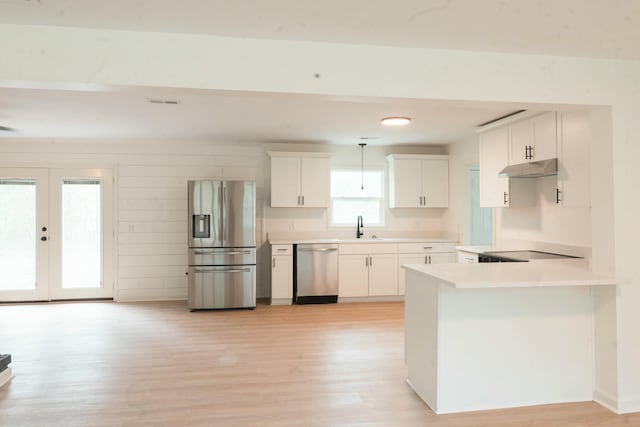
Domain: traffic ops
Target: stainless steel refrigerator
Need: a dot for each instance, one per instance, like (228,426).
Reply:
(222,244)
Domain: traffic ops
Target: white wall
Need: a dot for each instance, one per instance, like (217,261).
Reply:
(546,221)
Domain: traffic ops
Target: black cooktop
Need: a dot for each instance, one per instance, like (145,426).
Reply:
(525,255)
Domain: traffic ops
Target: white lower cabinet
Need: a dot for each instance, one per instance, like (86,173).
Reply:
(368,270)
(281,274)
(423,253)
(465,257)
(353,276)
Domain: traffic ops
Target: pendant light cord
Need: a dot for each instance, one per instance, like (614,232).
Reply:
(362,144)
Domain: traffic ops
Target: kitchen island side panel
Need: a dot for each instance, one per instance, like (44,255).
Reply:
(511,347)
(421,337)
(489,348)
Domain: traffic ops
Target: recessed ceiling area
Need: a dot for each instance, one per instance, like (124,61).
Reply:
(222,116)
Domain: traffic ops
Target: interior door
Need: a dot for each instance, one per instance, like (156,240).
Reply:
(24,228)
(81,234)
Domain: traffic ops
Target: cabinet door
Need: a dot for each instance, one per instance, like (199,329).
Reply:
(402,273)
(545,137)
(353,279)
(315,182)
(493,158)
(285,182)
(281,277)
(383,275)
(407,183)
(435,183)
(574,169)
(520,141)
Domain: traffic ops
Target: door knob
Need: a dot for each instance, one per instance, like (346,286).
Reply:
(43,238)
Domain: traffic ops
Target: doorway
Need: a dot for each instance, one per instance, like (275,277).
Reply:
(56,234)
(480,219)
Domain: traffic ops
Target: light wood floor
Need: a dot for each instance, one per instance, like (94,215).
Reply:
(159,364)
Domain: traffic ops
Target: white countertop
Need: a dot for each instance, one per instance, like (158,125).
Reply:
(512,274)
(294,240)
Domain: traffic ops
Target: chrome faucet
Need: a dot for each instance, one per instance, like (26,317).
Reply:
(360,227)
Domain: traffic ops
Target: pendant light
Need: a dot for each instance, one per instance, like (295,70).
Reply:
(362,145)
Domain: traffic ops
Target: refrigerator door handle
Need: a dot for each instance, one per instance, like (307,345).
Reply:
(218,270)
(222,252)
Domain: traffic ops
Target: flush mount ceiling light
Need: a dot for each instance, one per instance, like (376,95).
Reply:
(395,121)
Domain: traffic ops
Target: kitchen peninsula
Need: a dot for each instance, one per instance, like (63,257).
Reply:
(499,335)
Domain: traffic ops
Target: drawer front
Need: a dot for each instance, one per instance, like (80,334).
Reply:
(368,248)
(467,257)
(426,247)
(281,250)
(222,287)
(222,256)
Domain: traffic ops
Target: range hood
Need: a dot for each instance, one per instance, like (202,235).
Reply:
(532,169)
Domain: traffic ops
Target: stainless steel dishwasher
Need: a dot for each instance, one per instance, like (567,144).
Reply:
(316,273)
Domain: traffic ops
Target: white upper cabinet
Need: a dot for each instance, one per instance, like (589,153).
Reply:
(300,180)
(574,168)
(533,139)
(497,191)
(418,181)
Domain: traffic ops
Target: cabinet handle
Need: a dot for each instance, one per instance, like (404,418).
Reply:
(526,152)
(425,260)
(429,259)
(298,200)
(366,261)
(370,261)
(557,196)
(504,198)
(531,152)
(273,261)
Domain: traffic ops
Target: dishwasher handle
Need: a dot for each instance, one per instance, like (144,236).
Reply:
(317,250)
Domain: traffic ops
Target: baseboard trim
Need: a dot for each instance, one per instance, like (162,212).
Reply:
(605,399)
(5,376)
(629,405)
(391,298)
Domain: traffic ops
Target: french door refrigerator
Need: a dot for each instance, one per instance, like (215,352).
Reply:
(222,244)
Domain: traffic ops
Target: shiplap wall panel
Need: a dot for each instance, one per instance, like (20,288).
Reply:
(152,249)
(151,200)
(138,215)
(152,238)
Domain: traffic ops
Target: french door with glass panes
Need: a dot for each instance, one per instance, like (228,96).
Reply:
(56,234)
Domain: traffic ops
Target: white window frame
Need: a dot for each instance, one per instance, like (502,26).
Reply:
(382,198)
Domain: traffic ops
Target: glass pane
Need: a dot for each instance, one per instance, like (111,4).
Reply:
(81,234)
(346,211)
(349,184)
(17,235)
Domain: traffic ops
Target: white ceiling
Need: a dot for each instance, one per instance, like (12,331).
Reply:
(236,116)
(591,28)
(569,27)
